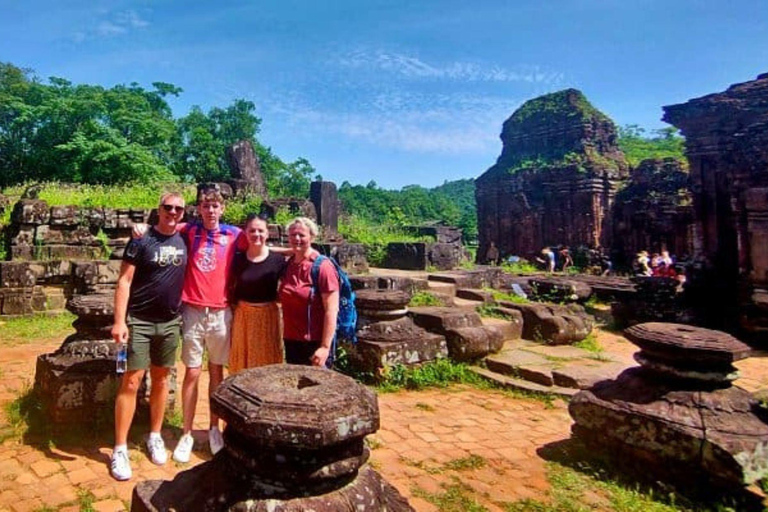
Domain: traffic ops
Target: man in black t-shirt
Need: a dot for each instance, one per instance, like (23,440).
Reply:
(147,306)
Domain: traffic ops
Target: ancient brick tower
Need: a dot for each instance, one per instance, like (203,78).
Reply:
(726,142)
(555,180)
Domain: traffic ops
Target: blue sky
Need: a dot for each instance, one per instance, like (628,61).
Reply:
(400,92)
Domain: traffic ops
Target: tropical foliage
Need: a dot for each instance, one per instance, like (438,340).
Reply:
(55,130)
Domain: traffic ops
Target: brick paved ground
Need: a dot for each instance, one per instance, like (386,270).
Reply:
(424,439)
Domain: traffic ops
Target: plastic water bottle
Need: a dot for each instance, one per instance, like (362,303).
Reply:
(121,363)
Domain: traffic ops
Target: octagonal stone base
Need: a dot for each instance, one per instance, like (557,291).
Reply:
(692,437)
(216,486)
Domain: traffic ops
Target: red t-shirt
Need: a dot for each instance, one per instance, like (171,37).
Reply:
(295,290)
(210,257)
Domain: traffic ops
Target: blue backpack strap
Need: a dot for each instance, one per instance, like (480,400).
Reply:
(315,276)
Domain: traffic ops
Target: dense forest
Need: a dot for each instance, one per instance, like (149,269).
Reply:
(56,131)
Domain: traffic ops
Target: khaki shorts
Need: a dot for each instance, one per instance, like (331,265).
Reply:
(152,343)
(205,328)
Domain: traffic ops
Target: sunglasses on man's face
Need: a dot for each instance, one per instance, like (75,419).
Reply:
(172,208)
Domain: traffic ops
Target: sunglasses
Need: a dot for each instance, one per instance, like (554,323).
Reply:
(172,208)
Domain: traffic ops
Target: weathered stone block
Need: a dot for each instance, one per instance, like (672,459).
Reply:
(16,274)
(326,200)
(65,216)
(351,257)
(374,355)
(441,320)
(30,211)
(549,323)
(472,343)
(246,170)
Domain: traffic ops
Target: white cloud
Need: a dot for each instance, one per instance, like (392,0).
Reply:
(107,28)
(131,19)
(449,124)
(413,67)
(113,25)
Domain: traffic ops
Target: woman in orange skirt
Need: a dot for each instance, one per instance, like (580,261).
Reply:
(257,337)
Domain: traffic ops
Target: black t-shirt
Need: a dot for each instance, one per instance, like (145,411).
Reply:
(159,277)
(257,282)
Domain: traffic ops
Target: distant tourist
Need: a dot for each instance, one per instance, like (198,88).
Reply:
(147,306)
(548,259)
(492,254)
(256,326)
(641,265)
(565,258)
(309,309)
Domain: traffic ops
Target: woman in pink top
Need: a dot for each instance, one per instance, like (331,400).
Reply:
(309,312)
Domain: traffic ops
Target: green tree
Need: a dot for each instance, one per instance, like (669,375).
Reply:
(663,143)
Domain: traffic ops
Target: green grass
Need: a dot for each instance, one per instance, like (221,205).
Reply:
(375,236)
(138,195)
(580,483)
(423,298)
(455,497)
(28,329)
(466,463)
(521,267)
(440,373)
(590,344)
(491,311)
(508,296)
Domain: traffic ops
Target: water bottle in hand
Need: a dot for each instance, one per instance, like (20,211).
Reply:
(122,358)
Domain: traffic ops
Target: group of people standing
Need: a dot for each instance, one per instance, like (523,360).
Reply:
(218,288)
(657,265)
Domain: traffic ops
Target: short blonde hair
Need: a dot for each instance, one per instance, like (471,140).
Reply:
(307,223)
(168,195)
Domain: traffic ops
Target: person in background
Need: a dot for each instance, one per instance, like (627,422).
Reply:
(492,254)
(548,259)
(147,306)
(257,334)
(309,318)
(565,257)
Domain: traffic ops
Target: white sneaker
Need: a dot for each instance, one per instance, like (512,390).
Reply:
(156,449)
(184,448)
(215,441)
(120,466)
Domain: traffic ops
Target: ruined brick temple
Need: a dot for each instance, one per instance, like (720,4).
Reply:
(555,180)
(727,147)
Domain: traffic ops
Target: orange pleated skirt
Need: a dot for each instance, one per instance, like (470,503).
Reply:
(257,336)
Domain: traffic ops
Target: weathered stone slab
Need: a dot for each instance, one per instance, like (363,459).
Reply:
(553,289)
(381,354)
(471,343)
(584,375)
(441,319)
(22,301)
(557,325)
(483,296)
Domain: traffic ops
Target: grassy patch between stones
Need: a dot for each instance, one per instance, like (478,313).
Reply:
(439,373)
(455,497)
(466,463)
(22,330)
(590,344)
(423,298)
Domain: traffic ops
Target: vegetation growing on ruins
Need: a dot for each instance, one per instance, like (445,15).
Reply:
(662,143)
(423,298)
(375,235)
(565,103)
